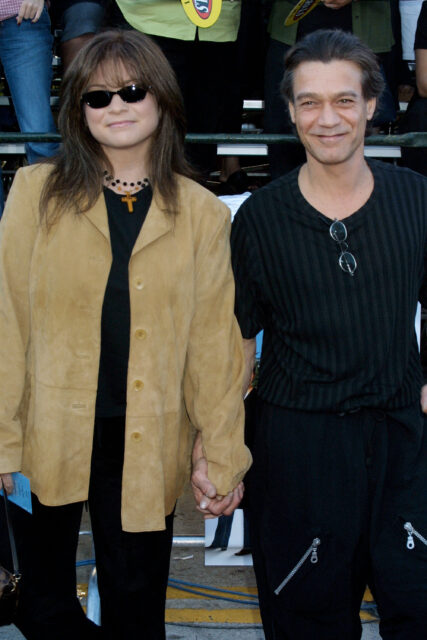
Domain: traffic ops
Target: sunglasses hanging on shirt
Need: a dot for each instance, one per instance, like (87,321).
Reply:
(346,260)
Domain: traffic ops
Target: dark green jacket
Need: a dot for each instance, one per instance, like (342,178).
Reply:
(371,23)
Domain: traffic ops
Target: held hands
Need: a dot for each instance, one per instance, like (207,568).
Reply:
(30,10)
(207,500)
(7,481)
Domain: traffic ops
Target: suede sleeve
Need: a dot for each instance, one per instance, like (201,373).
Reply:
(18,230)
(214,368)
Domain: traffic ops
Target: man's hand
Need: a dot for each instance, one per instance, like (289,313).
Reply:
(7,481)
(205,495)
(30,10)
(424,398)
(336,4)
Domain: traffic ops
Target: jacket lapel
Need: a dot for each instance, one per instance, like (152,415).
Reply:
(157,223)
(98,216)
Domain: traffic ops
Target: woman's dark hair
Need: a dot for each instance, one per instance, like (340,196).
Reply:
(326,45)
(76,178)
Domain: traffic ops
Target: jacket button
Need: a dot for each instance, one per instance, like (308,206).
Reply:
(141,334)
(136,436)
(138,385)
(139,284)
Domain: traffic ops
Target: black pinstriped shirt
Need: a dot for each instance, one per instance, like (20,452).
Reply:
(333,341)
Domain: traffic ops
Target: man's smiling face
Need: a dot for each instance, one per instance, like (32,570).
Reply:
(329,110)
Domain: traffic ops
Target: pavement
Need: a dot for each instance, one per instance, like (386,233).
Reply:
(191,616)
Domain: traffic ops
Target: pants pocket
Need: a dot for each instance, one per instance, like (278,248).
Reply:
(311,553)
(307,570)
(413,535)
(400,566)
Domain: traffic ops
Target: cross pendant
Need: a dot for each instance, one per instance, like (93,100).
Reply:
(129,200)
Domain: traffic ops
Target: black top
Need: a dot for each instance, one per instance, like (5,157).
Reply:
(332,340)
(421,33)
(115,323)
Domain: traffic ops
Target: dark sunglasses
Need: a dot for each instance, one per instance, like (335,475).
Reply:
(102,98)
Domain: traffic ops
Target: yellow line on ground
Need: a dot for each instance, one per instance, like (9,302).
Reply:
(237,616)
(174,593)
(242,616)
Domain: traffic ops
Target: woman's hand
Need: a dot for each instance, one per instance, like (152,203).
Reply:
(7,482)
(30,10)
(205,495)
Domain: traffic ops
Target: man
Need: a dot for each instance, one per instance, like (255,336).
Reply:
(369,20)
(329,262)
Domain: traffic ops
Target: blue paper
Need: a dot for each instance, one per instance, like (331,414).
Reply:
(21,495)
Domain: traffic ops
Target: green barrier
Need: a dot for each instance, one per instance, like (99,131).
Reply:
(414,139)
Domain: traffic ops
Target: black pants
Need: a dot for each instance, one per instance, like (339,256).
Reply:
(330,497)
(132,568)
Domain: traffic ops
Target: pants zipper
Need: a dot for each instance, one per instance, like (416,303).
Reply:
(410,544)
(312,550)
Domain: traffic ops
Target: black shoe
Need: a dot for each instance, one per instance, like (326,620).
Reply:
(243,552)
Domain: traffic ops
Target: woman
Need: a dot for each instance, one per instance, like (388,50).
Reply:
(116,331)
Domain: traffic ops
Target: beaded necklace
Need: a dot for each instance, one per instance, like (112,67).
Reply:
(128,188)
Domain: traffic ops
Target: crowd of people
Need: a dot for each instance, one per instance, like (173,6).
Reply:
(240,56)
(129,313)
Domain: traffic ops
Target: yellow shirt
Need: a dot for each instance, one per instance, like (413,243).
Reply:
(167,18)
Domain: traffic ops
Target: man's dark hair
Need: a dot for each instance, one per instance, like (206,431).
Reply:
(326,45)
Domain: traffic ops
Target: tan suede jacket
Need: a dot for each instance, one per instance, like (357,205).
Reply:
(185,363)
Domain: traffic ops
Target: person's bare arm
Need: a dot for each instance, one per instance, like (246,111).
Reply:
(421,71)
(249,349)
(336,4)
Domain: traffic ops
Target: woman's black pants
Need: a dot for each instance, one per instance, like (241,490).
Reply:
(334,499)
(132,568)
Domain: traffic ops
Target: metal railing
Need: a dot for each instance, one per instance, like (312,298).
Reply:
(413,139)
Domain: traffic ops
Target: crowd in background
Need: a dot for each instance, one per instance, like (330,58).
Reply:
(240,56)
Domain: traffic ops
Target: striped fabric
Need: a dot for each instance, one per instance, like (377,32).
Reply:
(333,341)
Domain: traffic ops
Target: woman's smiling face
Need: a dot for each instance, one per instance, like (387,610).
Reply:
(121,125)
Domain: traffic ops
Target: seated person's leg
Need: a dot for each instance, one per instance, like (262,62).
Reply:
(26,54)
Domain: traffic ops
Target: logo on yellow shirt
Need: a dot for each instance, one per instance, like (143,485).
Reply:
(202,13)
(300,10)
